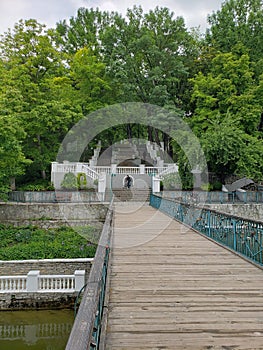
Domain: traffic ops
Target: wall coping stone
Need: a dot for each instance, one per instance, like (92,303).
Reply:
(47,260)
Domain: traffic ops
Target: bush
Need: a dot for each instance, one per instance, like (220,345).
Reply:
(33,243)
(40,185)
(217,186)
(171,181)
(69,182)
(82,180)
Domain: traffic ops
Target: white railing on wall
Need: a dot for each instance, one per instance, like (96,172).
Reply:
(34,282)
(129,170)
(56,282)
(94,171)
(90,172)
(14,283)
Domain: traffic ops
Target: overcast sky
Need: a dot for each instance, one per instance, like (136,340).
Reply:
(49,12)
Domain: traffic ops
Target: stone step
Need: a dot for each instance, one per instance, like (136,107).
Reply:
(129,195)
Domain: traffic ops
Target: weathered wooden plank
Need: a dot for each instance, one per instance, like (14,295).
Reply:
(171,288)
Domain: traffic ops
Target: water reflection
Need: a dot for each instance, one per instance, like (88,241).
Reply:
(35,330)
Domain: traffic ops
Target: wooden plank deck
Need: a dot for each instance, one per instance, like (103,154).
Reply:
(171,288)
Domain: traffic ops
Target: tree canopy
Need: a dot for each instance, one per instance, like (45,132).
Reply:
(52,78)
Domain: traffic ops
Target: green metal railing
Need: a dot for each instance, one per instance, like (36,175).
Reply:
(241,235)
(53,196)
(89,320)
(215,197)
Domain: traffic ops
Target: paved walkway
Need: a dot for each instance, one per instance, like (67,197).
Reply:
(171,288)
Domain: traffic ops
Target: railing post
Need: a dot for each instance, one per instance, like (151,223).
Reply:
(79,279)
(114,168)
(209,222)
(155,184)
(32,281)
(142,168)
(181,213)
(234,234)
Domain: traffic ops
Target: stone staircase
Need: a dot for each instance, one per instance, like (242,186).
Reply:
(129,195)
(123,152)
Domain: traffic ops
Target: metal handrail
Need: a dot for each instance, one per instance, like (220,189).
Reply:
(86,330)
(243,236)
(212,197)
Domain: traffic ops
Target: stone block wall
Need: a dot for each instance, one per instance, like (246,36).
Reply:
(48,300)
(53,214)
(252,211)
(34,301)
(45,266)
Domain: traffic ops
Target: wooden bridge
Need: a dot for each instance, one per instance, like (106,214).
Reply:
(170,287)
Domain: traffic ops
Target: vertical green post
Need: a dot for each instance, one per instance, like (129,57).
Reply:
(234,234)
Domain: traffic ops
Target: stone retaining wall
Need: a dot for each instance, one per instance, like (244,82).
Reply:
(53,214)
(49,300)
(250,211)
(36,301)
(45,266)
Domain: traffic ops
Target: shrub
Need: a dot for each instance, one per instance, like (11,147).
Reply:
(217,186)
(82,180)
(34,243)
(171,181)
(69,182)
(40,185)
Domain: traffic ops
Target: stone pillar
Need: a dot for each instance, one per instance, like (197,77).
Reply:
(197,178)
(32,281)
(102,183)
(156,184)
(113,168)
(142,168)
(79,279)
(160,163)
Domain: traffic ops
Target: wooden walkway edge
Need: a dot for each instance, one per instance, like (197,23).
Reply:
(171,288)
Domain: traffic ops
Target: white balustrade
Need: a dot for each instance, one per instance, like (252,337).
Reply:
(89,172)
(57,283)
(94,171)
(34,282)
(173,168)
(102,169)
(128,170)
(13,284)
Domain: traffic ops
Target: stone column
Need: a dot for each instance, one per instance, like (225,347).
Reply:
(32,281)
(156,184)
(79,279)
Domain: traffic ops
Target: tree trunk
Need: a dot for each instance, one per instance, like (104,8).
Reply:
(43,174)
(13,183)
(150,133)
(157,139)
(129,131)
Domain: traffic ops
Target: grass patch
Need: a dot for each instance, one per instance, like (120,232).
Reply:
(24,243)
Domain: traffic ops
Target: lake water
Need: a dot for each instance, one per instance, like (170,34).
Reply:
(35,330)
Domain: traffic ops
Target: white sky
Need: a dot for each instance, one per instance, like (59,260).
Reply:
(49,12)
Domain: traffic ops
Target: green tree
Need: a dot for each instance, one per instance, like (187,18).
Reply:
(147,59)
(36,67)
(229,150)
(12,158)
(88,80)
(228,89)
(238,21)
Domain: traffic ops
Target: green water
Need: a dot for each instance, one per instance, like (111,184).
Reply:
(35,330)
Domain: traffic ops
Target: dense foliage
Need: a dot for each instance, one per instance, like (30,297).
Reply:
(52,78)
(25,243)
